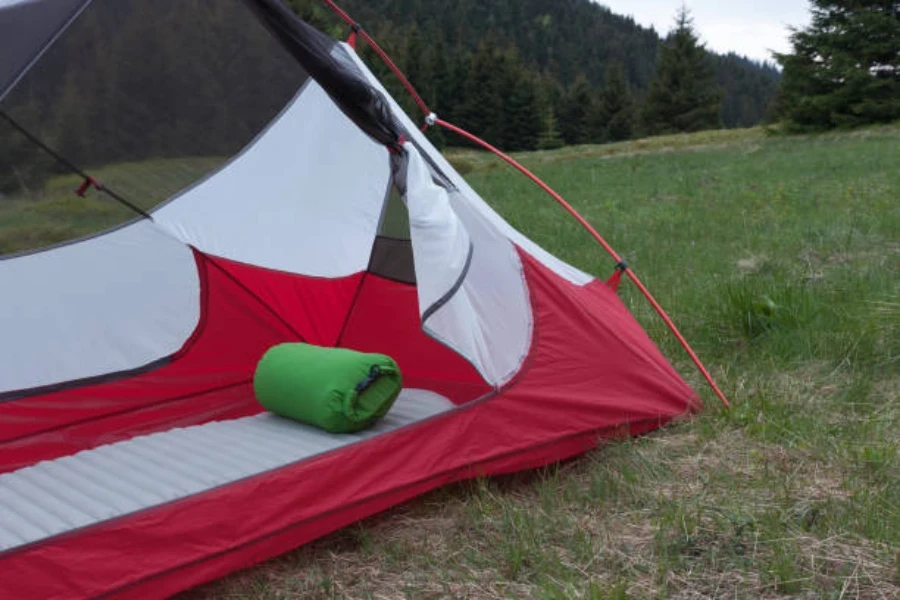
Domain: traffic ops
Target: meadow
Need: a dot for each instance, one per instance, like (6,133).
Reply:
(779,259)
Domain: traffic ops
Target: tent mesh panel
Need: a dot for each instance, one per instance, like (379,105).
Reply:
(25,29)
(146,97)
(392,256)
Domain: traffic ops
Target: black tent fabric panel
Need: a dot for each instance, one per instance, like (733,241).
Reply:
(393,259)
(321,57)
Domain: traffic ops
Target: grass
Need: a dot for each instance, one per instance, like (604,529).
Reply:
(55,214)
(779,258)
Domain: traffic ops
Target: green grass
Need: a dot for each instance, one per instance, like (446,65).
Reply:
(779,258)
(54,213)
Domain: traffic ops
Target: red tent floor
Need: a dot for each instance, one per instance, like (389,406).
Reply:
(592,373)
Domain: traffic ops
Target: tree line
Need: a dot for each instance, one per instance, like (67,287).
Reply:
(538,74)
(133,80)
(177,78)
(571,71)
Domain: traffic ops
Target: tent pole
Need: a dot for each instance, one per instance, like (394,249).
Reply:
(631,274)
(357,29)
(431,118)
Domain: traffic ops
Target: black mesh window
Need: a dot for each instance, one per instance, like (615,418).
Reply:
(144,96)
(25,29)
(392,255)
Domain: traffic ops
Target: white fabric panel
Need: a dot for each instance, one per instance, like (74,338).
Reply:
(439,240)
(557,265)
(57,496)
(110,303)
(495,286)
(486,316)
(304,197)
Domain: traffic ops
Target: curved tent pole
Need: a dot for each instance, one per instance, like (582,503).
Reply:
(432,119)
(357,29)
(620,265)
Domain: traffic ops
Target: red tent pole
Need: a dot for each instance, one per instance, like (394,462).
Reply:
(656,306)
(381,53)
(432,118)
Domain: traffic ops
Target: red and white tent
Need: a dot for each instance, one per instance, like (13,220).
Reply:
(134,458)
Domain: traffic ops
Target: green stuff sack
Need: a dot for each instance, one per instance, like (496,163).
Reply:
(335,389)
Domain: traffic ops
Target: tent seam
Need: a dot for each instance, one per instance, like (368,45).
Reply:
(252,294)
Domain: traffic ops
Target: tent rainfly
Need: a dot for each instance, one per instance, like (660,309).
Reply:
(275,192)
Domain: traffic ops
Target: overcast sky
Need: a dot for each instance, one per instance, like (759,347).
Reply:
(751,28)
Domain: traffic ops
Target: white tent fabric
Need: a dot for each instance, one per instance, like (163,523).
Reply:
(495,286)
(111,303)
(305,197)
(472,294)
(440,242)
(558,266)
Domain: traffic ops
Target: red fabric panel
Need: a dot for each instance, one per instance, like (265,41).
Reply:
(593,358)
(209,378)
(385,319)
(315,308)
(592,372)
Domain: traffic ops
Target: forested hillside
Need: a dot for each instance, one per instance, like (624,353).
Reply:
(474,60)
(131,81)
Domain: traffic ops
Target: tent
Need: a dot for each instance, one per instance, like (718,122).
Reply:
(275,192)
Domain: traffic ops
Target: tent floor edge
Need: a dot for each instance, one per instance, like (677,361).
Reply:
(270,544)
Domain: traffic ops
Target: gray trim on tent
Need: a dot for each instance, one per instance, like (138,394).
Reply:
(452,291)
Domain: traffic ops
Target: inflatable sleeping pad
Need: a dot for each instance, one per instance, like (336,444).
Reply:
(335,389)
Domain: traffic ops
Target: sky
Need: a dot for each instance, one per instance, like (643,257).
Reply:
(751,28)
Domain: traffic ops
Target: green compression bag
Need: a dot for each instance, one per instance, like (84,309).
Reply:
(335,389)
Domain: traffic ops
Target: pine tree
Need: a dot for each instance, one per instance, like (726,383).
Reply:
(576,107)
(550,97)
(550,138)
(616,105)
(682,94)
(482,109)
(845,67)
(595,123)
(749,87)
(442,94)
(557,38)
(318,16)
(417,69)
(442,82)
(522,121)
